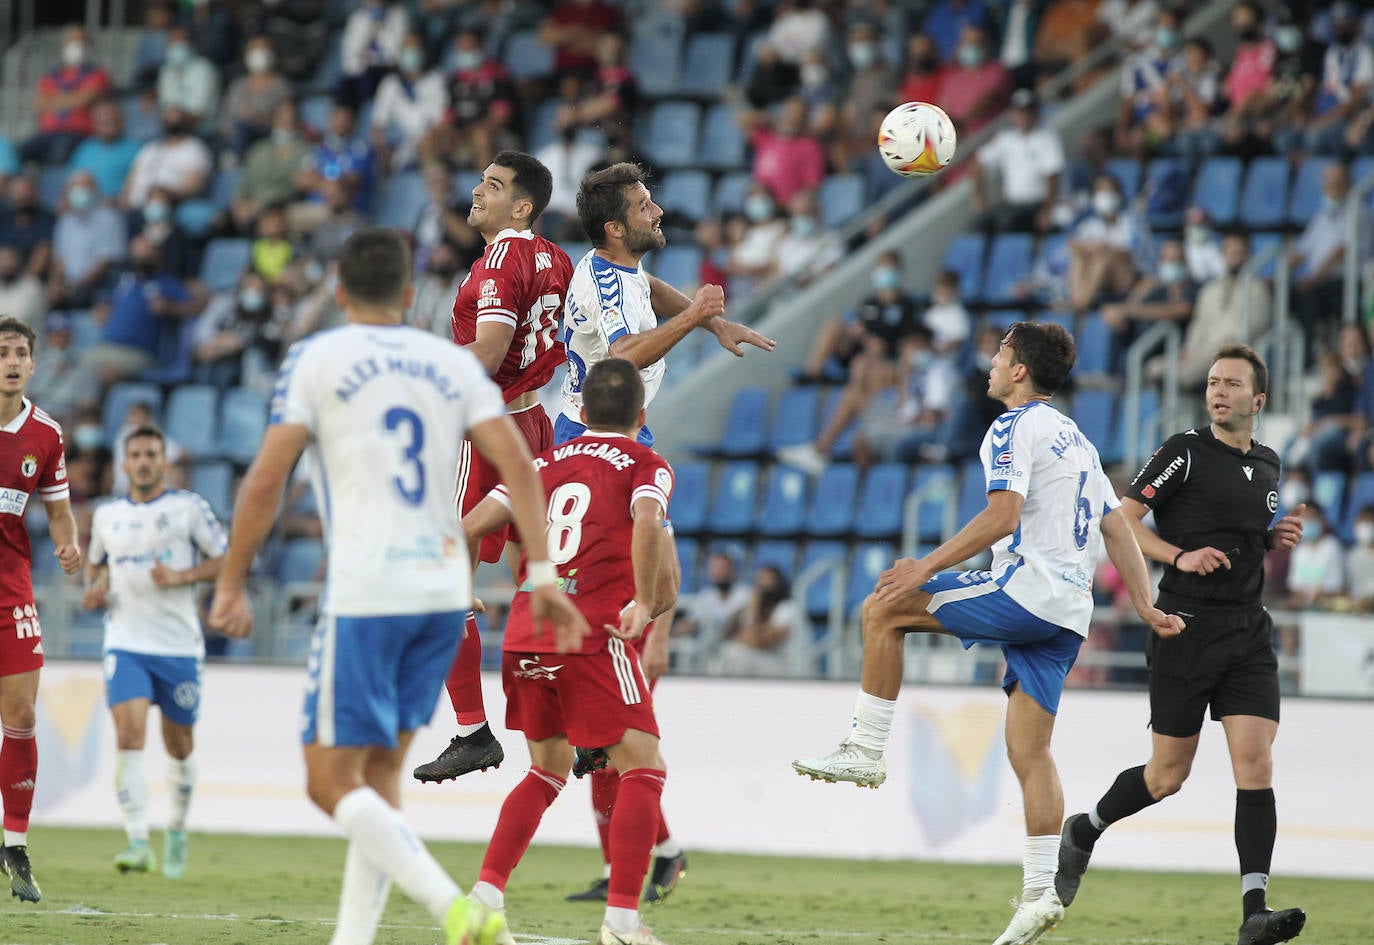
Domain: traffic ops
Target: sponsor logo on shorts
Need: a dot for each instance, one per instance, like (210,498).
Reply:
(26,622)
(187,694)
(111,664)
(531,668)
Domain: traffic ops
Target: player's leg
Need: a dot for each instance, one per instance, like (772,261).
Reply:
(176,686)
(605,785)
(129,693)
(634,827)
(18,772)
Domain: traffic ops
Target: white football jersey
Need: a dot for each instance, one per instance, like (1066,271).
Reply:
(1047,564)
(387,408)
(605,302)
(176,529)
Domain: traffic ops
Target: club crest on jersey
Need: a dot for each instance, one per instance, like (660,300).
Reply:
(28,466)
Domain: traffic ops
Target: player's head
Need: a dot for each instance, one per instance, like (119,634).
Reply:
(16,355)
(374,274)
(1035,357)
(613,397)
(145,459)
(514,189)
(617,212)
(1237,386)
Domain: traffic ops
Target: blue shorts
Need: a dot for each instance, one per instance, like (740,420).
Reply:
(370,678)
(972,606)
(172,683)
(565,428)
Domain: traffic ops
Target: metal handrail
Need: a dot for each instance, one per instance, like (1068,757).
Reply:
(834,622)
(941,484)
(1350,295)
(1166,335)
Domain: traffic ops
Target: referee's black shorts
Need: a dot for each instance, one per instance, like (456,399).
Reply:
(1223,659)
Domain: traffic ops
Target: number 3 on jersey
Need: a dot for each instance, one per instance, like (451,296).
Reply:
(568,505)
(410,486)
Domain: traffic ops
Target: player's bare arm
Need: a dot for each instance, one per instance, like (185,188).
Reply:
(62,529)
(1118,536)
(486,517)
(1196,560)
(668,302)
(491,344)
(254,513)
(653,595)
(646,347)
(995,522)
(97,593)
(206,570)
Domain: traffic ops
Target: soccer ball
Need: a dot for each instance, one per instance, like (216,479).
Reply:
(916,139)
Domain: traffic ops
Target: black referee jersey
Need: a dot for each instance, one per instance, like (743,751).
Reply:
(1205,493)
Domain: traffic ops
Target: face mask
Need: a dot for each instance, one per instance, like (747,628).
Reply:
(758,208)
(886,279)
(258,60)
(155,211)
(1364,533)
(1166,38)
(468,59)
(863,55)
(1198,235)
(252,300)
(970,57)
(410,60)
(983,362)
(1172,271)
(1330,204)
(178,53)
(920,360)
(1311,529)
(74,54)
(813,75)
(1288,38)
(80,197)
(1106,203)
(1294,494)
(804,226)
(88,436)
(1247,34)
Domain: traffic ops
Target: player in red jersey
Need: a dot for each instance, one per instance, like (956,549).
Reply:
(508,313)
(608,502)
(31,460)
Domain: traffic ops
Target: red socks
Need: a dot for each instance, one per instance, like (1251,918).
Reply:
(464,681)
(605,787)
(634,824)
(520,816)
(18,770)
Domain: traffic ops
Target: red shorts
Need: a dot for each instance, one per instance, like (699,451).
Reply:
(477,477)
(21,640)
(591,698)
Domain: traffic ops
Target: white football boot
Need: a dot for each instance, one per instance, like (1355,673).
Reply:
(1033,919)
(849,762)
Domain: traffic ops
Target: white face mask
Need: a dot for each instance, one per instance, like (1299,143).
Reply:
(1106,203)
(1364,532)
(1294,494)
(74,54)
(258,60)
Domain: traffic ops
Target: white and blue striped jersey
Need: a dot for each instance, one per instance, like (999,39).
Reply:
(1047,564)
(176,529)
(387,408)
(605,303)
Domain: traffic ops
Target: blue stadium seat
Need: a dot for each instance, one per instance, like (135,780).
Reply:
(844,444)
(685,192)
(1360,494)
(195,216)
(1306,196)
(709,65)
(973,491)
(86,330)
(868,561)
(300,560)
(52,180)
(1009,265)
(817,599)
(783,511)
(1264,195)
(315,110)
(330,69)
(794,417)
(1064,320)
(192,411)
(688,555)
(1259,243)
(1094,346)
(1127,174)
(679,266)
(118,400)
(833,501)
(672,134)
(841,198)
(214,482)
(965,256)
(745,424)
(1328,489)
(1097,414)
(937,487)
(576,251)
(1216,188)
(691,487)
(776,553)
(141,121)
(723,147)
(223,262)
(655,59)
(526,57)
(881,501)
(175,359)
(242,423)
(1167,189)
(728,196)
(401,200)
(1002,318)
(731,511)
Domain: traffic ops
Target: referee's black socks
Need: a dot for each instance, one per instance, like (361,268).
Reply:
(1256,826)
(1127,795)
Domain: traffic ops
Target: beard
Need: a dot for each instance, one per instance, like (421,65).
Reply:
(639,242)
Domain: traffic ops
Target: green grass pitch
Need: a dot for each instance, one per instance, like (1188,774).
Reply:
(244,890)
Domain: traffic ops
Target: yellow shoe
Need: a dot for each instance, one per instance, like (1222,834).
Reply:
(471,923)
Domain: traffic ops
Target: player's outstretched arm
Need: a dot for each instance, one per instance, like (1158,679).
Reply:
(998,520)
(254,513)
(668,302)
(62,529)
(646,347)
(97,593)
(206,570)
(1118,535)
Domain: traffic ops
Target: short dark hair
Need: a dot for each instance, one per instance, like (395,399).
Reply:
(601,198)
(532,179)
(374,267)
(1046,349)
(1246,353)
(9,325)
(613,394)
(148,430)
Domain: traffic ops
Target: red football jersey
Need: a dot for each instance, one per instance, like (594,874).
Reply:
(521,280)
(592,483)
(31,460)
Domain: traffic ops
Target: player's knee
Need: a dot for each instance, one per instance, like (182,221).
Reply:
(1163,779)
(179,744)
(17,711)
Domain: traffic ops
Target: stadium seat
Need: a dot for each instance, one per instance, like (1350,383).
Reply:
(778,554)
(195,216)
(672,134)
(1306,196)
(844,444)
(794,418)
(691,487)
(936,488)
(731,511)
(709,65)
(728,197)
(783,510)
(86,330)
(1127,174)
(973,491)
(1166,191)
(723,147)
(1361,493)
(315,111)
(965,256)
(1094,346)
(1264,195)
(576,251)
(141,121)
(832,501)
(51,182)
(1009,266)
(1097,415)
(120,398)
(685,192)
(192,411)
(300,561)
(687,556)
(401,200)
(840,199)
(214,482)
(175,358)
(881,500)
(655,59)
(1216,188)
(679,266)
(816,597)
(1260,243)
(526,57)
(745,424)
(242,423)
(868,561)
(223,262)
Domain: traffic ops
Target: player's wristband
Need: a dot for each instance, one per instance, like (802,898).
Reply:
(1180,554)
(541,574)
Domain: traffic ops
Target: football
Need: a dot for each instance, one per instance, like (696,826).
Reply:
(916,139)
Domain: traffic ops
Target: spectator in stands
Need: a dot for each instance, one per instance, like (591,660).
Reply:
(1143,115)
(340,221)
(56,378)
(847,346)
(915,423)
(188,81)
(215,28)
(1068,31)
(21,293)
(270,171)
(27,225)
(272,251)
(924,71)
(177,251)
(177,162)
(568,157)
(1193,89)
(975,88)
(108,153)
(63,101)
(1361,439)
(371,41)
(435,290)
(1201,247)
(807,249)
(342,158)
(1359,559)
(871,80)
(1018,41)
(721,598)
(1247,81)
(239,334)
(975,410)
(757,639)
(799,27)
(822,91)
(410,102)
(483,109)
(771,78)
(253,98)
(316,309)
(1346,80)
(1318,256)
(152,46)
(88,243)
(573,28)
(1322,442)
(947,19)
(785,159)
(9,162)
(1293,84)
(444,220)
(1316,570)
(946,317)
(1167,295)
(1105,247)
(607,100)
(1028,159)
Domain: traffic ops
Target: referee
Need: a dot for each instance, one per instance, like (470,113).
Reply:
(1213,492)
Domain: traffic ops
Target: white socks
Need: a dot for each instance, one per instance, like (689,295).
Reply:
(488,895)
(622,921)
(362,900)
(1039,861)
(668,848)
(383,837)
(20,838)
(872,722)
(131,784)
(181,781)
(466,730)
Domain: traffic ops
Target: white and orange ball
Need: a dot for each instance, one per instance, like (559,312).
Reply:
(917,139)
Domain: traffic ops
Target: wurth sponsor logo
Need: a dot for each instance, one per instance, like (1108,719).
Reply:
(1167,473)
